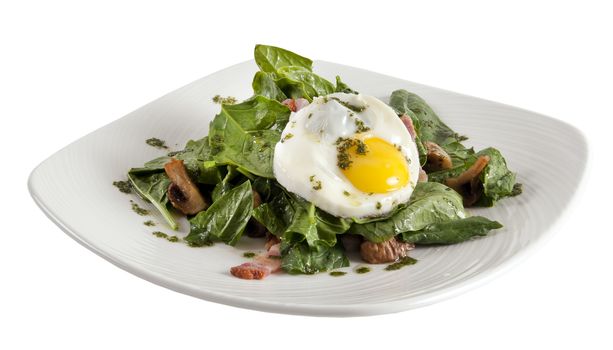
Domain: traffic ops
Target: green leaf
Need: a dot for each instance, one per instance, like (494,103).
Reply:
(430,203)
(300,258)
(450,232)
(296,220)
(271,58)
(225,185)
(342,87)
(224,220)
(152,187)
(431,127)
(313,84)
(275,215)
(329,225)
(245,134)
(498,181)
(264,84)
(195,156)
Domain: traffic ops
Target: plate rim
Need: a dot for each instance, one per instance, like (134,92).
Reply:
(350,310)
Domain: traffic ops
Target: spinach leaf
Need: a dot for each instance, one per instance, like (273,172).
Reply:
(197,159)
(342,87)
(271,58)
(284,74)
(245,134)
(450,232)
(301,258)
(225,185)
(276,215)
(265,84)
(431,127)
(329,225)
(312,84)
(296,220)
(430,203)
(152,187)
(498,181)
(224,220)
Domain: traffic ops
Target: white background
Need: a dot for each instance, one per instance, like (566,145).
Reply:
(68,68)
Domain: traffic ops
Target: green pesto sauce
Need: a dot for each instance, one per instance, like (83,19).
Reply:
(149,223)
(157,143)
(287,136)
(316,184)
(159,234)
(360,127)
(349,106)
(363,269)
(199,245)
(405,261)
(338,273)
(229,100)
(343,145)
(248,254)
(138,210)
(123,186)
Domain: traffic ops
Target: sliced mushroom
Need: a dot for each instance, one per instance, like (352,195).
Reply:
(438,159)
(254,228)
(182,192)
(468,183)
(384,252)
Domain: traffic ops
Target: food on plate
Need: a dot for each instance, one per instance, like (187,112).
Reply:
(314,169)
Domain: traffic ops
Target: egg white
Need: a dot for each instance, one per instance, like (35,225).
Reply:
(305,161)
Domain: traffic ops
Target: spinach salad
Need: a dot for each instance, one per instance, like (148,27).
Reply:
(226,186)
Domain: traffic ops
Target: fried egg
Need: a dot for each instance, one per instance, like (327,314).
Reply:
(349,154)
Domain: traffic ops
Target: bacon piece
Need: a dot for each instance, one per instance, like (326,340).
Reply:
(262,265)
(295,105)
(301,103)
(423,177)
(275,250)
(408,123)
(271,240)
(258,269)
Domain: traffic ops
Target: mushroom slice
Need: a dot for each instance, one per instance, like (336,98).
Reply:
(438,159)
(384,252)
(182,192)
(468,183)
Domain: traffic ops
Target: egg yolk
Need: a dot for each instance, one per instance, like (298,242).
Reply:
(381,169)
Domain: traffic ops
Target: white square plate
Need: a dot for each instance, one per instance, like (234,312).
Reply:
(74,188)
